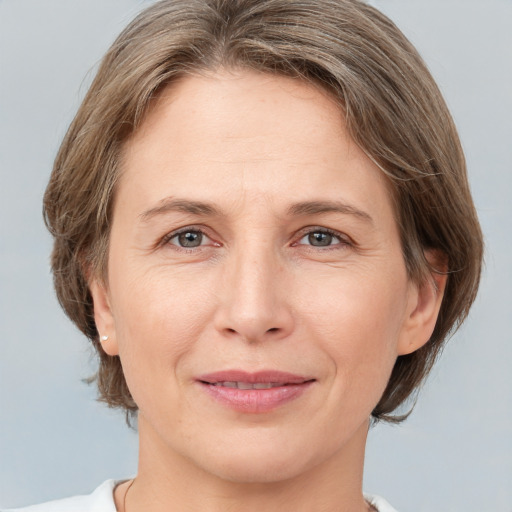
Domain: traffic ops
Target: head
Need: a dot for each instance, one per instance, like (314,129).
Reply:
(387,100)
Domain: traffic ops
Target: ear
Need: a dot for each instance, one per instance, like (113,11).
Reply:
(103,317)
(424,304)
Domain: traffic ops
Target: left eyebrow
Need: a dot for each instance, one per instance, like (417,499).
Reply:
(318,207)
(170,204)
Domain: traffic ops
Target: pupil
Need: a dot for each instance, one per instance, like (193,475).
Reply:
(320,239)
(190,239)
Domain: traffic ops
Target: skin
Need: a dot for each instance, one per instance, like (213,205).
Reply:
(259,293)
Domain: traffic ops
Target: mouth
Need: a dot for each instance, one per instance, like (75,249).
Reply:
(258,392)
(248,385)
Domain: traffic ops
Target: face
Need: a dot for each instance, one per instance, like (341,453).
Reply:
(257,293)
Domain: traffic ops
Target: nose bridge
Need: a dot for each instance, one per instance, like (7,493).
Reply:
(253,305)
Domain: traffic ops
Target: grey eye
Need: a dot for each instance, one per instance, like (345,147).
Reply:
(188,239)
(320,239)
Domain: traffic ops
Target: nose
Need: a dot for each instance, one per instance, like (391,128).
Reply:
(254,301)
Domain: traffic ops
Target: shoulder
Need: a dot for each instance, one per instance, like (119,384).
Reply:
(379,503)
(101,500)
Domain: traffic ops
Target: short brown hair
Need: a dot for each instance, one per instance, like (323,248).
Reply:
(391,104)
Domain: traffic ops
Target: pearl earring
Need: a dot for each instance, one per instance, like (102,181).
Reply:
(104,338)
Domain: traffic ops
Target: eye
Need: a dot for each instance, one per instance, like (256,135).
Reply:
(189,238)
(321,238)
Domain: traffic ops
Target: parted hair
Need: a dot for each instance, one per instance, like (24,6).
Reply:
(392,107)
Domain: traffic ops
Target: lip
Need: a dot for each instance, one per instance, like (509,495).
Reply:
(286,387)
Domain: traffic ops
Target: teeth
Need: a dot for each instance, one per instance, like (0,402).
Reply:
(264,385)
(249,385)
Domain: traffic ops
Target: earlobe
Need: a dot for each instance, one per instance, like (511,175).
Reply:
(424,304)
(103,317)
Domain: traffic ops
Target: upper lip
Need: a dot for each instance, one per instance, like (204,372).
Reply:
(259,377)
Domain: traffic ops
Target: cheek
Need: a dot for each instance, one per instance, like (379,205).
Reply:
(159,300)
(357,319)
(364,304)
(157,321)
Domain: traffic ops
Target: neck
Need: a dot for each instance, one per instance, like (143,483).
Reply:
(168,481)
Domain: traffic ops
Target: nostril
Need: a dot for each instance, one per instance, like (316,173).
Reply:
(273,329)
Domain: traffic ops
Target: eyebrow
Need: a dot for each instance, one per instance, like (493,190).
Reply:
(318,207)
(180,205)
(204,209)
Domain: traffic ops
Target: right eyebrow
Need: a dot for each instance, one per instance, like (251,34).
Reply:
(170,204)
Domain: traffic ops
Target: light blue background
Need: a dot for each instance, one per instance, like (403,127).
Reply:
(454,453)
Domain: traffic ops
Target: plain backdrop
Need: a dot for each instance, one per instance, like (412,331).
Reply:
(455,451)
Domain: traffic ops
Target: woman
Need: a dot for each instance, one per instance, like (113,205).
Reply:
(262,222)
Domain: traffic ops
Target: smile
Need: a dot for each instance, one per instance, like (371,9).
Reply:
(254,393)
(249,385)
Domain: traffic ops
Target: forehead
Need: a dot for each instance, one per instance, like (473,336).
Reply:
(243,107)
(244,133)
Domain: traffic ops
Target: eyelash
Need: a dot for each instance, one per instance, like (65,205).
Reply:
(343,239)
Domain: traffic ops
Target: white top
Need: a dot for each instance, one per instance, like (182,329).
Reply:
(102,500)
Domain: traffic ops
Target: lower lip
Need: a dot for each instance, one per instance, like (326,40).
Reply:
(253,401)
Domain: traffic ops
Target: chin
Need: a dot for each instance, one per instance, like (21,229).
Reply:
(259,462)
(259,471)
